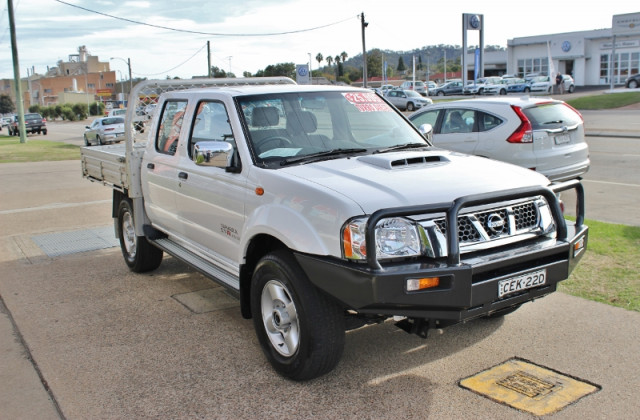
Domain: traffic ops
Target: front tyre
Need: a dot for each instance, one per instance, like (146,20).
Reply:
(138,253)
(301,330)
(410,106)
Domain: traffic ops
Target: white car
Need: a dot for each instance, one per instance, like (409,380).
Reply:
(540,134)
(408,100)
(546,84)
(477,87)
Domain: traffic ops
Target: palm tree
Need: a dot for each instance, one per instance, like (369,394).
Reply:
(329,60)
(319,58)
(344,56)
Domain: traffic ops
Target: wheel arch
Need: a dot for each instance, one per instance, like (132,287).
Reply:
(258,247)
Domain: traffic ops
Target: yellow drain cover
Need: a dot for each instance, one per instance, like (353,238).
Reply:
(525,386)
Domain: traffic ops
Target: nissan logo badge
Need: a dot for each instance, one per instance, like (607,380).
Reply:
(495,223)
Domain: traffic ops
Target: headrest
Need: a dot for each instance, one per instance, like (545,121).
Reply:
(265,116)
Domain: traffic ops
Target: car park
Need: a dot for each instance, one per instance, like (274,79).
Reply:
(408,100)
(104,130)
(450,88)
(541,134)
(633,82)
(33,123)
(416,86)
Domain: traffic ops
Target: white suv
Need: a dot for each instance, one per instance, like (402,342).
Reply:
(419,87)
(540,134)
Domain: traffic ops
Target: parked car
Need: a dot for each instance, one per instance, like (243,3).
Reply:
(449,88)
(408,100)
(497,86)
(519,85)
(419,87)
(431,85)
(138,122)
(33,123)
(546,84)
(633,82)
(477,87)
(104,130)
(4,122)
(536,133)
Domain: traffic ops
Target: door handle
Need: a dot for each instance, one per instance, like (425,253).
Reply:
(183,175)
(151,166)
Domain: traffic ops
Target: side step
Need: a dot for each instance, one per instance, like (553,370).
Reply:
(205,267)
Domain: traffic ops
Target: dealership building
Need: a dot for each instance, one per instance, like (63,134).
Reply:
(595,57)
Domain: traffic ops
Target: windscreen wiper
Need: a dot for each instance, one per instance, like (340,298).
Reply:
(402,146)
(321,155)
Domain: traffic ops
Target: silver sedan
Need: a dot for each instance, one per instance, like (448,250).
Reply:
(104,131)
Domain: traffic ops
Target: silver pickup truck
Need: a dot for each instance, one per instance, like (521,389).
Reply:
(323,210)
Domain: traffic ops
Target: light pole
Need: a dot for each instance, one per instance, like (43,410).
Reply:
(310,74)
(128,62)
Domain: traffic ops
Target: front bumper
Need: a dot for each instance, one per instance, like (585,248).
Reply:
(468,286)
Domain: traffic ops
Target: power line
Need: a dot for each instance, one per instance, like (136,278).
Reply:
(172,69)
(198,32)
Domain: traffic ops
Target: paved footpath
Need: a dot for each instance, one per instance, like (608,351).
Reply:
(81,337)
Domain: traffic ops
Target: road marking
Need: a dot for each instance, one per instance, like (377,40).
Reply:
(620,184)
(525,386)
(53,206)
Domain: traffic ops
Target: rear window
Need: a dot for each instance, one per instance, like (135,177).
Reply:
(551,115)
(32,117)
(113,120)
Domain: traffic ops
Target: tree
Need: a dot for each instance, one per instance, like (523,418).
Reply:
(6,104)
(319,59)
(401,66)
(344,56)
(329,60)
(374,63)
(280,69)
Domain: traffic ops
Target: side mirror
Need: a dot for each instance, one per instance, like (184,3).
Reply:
(427,131)
(218,154)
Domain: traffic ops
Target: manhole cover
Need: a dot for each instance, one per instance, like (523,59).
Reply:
(528,387)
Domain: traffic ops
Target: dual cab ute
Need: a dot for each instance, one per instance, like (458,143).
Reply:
(323,209)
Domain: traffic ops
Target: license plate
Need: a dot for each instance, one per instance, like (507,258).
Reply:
(562,139)
(522,282)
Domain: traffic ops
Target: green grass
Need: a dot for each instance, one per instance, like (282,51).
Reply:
(12,151)
(605,100)
(610,269)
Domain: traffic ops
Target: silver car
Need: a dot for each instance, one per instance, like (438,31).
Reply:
(537,133)
(104,131)
(407,99)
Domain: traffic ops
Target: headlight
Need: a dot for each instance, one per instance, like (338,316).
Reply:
(395,237)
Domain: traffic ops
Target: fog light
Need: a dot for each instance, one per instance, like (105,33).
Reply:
(421,284)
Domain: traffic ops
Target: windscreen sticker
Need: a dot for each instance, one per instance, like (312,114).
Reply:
(367,102)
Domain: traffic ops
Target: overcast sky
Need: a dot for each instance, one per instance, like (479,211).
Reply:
(248,35)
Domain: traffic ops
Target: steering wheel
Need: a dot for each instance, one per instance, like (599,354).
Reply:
(282,141)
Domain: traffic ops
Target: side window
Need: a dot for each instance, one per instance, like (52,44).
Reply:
(170,126)
(429,117)
(487,122)
(458,121)
(211,123)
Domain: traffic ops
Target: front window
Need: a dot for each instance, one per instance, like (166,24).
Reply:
(290,128)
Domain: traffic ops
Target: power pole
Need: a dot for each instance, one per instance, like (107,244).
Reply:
(208,59)
(16,74)
(364,50)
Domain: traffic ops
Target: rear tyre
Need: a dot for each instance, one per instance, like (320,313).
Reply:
(138,253)
(441,93)
(86,141)
(571,89)
(527,90)
(633,84)
(410,106)
(503,91)
(300,329)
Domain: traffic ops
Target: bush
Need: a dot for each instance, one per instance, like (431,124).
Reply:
(81,111)
(96,108)
(68,114)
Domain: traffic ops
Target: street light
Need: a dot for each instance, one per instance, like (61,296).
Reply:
(128,62)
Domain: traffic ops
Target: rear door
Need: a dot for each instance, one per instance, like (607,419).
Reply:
(160,170)
(558,137)
(457,130)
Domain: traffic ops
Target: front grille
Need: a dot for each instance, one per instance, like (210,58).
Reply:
(500,222)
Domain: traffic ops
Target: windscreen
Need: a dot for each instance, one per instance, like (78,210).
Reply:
(282,126)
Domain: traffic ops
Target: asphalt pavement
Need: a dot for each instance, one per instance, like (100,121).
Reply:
(81,337)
